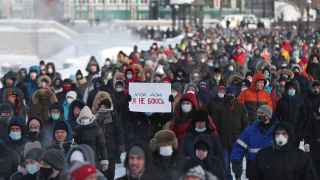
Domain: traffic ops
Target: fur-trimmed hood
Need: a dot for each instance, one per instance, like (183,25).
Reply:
(100,97)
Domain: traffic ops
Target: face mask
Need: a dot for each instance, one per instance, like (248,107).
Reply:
(33,76)
(32,168)
(119,89)
(281,140)
(229,98)
(15,135)
(262,119)
(107,63)
(186,108)
(291,92)
(315,91)
(43,84)
(55,116)
(50,70)
(166,151)
(129,76)
(217,78)
(231,68)
(200,130)
(174,93)
(266,74)
(46,172)
(69,100)
(221,95)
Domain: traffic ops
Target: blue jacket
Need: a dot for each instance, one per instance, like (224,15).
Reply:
(66,107)
(252,140)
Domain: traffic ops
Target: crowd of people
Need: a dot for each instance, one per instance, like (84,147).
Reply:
(235,94)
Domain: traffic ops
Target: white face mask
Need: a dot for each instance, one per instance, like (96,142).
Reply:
(186,108)
(129,76)
(70,100)
(166,151)
(174,93)
(281,140)
(50,70)
(231,68)
(221,95)
(201,130)
(217,77)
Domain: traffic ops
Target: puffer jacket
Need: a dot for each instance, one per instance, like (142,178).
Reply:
(252,99)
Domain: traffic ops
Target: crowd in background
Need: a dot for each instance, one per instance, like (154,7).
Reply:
(235,94)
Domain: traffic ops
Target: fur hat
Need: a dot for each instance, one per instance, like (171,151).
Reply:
(163,138)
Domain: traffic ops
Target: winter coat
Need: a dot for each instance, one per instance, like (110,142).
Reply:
(149,171)
(254,138)
(187,144)
(66,108)
(313,70)
(215,161)
(252,99)
(64,147)
(9,161)
(312,132)
(290,109)
(41,100)
(71,118)
(93,136)
(212,165)
(17,145)
(285,163)
(168,168)
(137,129)
(110,124)
(19,108)
(182,122)
(231,120)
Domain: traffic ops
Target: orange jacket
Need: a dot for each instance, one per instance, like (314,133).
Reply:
(252,99)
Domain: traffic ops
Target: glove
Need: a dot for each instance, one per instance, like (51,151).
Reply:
(171,98)
(237,168)
(307,148)
(123,157)
(129,98)
(104,165)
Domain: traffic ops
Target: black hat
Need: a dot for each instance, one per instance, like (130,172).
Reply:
(201,145)
(60,125)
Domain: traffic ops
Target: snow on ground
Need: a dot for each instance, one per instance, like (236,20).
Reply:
(103,41)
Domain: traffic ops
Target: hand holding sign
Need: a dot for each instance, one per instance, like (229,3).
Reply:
(150,97)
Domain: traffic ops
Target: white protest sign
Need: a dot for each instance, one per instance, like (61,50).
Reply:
(150,97)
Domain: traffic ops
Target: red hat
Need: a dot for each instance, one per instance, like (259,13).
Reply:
(83,172)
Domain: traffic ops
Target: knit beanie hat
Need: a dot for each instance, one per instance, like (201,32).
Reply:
(197,171)
(34,154)
(266,110)
(83,172)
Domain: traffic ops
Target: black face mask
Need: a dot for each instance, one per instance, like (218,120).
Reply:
(33,135)
(229,98)
(46,172)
